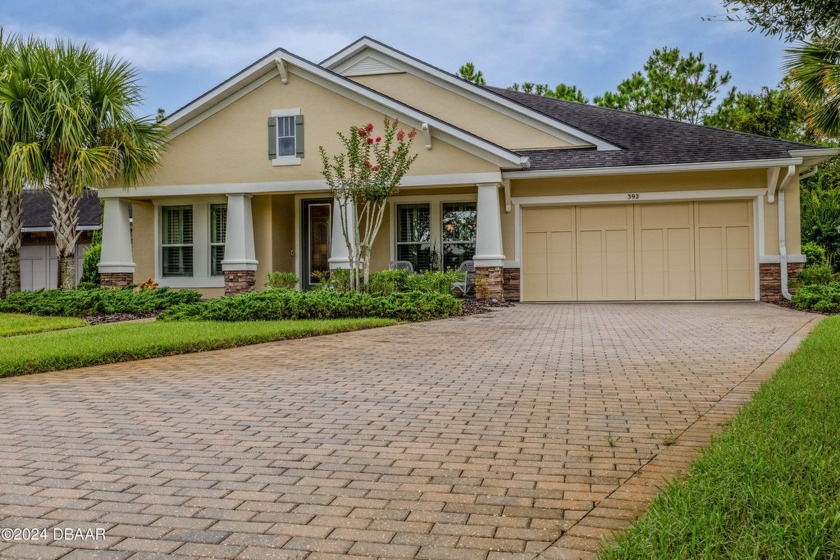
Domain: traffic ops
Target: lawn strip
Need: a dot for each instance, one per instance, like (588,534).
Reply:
(104,344)
(13,324)
(769,485)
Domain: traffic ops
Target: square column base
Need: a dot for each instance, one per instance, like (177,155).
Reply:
(492,279)
(239,281)
(770,280)
(116,279)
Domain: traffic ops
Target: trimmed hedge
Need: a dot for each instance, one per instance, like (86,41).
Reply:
(824,298)
(274,305)
(98,301)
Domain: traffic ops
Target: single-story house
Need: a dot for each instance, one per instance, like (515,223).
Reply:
(553,200)
(38,264)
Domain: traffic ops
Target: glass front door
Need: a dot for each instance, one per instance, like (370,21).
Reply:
(316,237)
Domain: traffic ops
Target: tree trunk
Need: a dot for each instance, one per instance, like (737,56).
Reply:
(10,224)
(65,218)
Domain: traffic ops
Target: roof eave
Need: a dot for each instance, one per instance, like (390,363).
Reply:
(643,169)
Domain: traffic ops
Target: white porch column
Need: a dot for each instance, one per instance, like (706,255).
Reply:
(117,258)
(339,255)
(239,236)
(488,238)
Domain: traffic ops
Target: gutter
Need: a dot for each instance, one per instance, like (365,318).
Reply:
(783,256)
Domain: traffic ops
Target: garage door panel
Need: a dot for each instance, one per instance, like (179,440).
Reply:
(654,251)
(725,253)
(664,251)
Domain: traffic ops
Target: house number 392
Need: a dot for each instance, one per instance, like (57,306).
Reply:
(633,196)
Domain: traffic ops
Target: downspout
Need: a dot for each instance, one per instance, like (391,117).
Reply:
(783,257)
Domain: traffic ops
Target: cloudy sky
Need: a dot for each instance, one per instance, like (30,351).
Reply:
(184,47)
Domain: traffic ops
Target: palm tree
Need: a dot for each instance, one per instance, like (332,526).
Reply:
(814,71)
(10,194)
(73,109)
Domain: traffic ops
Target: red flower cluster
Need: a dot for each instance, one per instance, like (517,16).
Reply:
(378,139)
(370,140)
(400,135)
(362,132)
(371,166)
(412,133)
(369,127)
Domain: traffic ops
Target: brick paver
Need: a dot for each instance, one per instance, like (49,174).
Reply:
(528,432)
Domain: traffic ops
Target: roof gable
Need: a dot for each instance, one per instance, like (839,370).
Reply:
(285,65)
(367,48)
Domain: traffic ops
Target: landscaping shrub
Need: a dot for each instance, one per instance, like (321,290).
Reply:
(287,280)
(273,305)
(90,265)
(96,301)
(433,281)
(824,298)
(387,282)
(814,254)
(815,274)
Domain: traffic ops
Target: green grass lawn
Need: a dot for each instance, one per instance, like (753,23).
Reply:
(12,324)
(104,344)
(769,486)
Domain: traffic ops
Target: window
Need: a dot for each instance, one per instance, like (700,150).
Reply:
(458,237)
(285,137)
(218,228)
(414,235)
(177,241)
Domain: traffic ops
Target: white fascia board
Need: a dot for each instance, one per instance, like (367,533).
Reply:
(470,91)
(266,68)
(454,179)
(642,169)
(225,89)
(814,156)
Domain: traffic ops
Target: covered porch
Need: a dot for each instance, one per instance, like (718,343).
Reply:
(228,243)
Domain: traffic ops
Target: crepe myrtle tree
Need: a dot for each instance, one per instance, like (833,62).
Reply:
(362,178)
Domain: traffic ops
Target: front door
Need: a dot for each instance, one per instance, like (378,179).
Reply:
(315,241)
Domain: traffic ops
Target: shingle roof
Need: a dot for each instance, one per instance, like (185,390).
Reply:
(644,140)
(37,209)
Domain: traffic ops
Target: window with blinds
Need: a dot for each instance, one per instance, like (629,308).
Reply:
(285,136)
(414,235)
(459,223)
(177,241)
(218,229)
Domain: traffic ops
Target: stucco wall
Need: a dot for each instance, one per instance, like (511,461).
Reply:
(231,146)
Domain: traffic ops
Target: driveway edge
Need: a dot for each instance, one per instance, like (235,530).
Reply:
(631,499)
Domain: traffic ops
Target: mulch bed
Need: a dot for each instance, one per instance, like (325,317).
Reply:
(471,306)
(117,318)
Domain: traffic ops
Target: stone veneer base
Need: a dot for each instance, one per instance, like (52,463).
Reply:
(115,279)
(493,278)
(239,281)
(770,280)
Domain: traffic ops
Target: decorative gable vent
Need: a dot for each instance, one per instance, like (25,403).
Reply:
(368,66)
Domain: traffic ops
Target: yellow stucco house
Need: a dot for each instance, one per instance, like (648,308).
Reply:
(553,200)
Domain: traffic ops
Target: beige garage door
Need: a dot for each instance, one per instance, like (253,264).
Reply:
(669,251)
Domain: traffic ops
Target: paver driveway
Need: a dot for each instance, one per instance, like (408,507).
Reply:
(481,437)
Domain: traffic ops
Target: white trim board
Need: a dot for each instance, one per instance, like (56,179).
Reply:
(448,180)
(346,58)
(622,198)
(642,169)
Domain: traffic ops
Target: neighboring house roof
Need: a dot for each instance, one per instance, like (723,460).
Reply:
(647,140)
(37,211)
